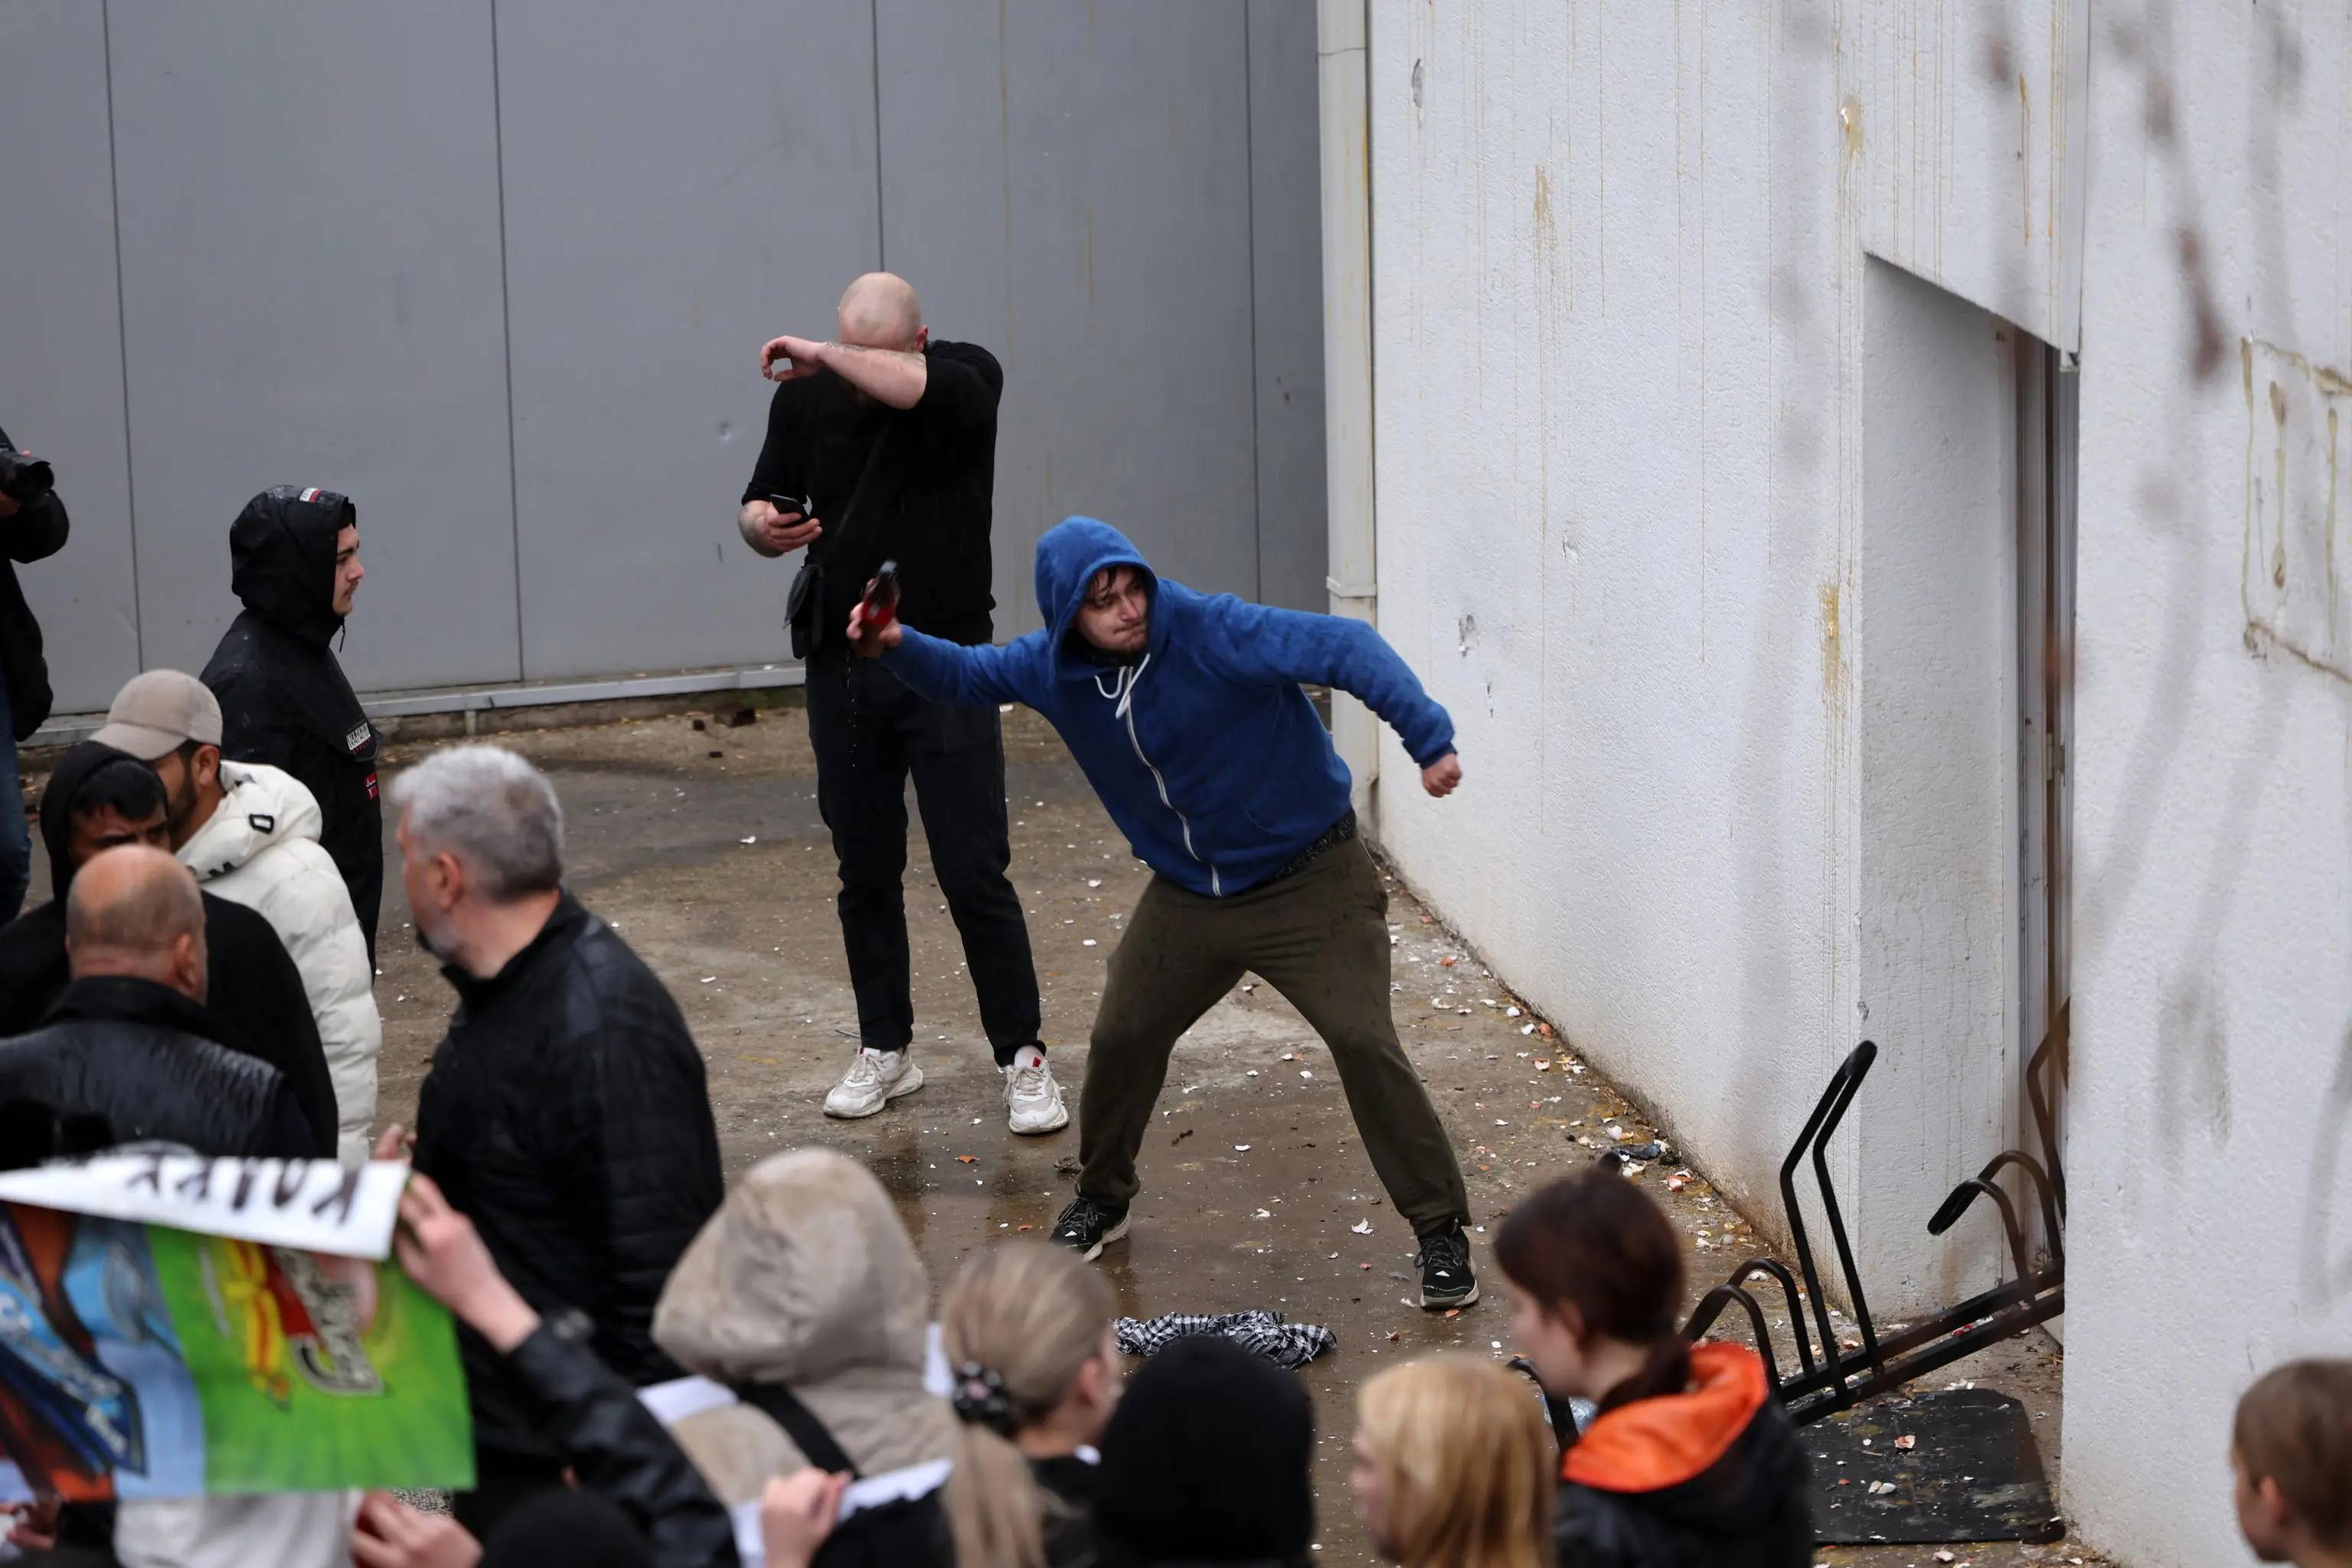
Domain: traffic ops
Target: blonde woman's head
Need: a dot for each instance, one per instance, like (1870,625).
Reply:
(1027,1332)
(1453,1466)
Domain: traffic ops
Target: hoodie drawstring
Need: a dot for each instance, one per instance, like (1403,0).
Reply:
(1122,692)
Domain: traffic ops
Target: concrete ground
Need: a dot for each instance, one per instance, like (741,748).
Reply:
(702,843)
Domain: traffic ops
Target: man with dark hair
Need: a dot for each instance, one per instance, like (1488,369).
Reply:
(30,531)
(294,560)
(1184,711)
(99,799)
(882,446)
(250,833)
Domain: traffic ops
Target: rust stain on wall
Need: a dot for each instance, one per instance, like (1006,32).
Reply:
(1833,645)
(2290,575)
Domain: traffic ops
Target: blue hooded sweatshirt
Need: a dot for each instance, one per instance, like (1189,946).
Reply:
(1205,751)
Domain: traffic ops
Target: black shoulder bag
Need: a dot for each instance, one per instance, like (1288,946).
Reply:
(805,604)
(784,1407)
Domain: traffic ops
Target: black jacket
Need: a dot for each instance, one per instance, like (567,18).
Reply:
(566,1113)
(915,1533)
(620,1452)
(254,992)
(134,1054)
(1628,1500)
(35,532)
(283,697)
(928,504)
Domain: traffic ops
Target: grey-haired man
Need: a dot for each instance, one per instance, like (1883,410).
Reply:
(565,1113)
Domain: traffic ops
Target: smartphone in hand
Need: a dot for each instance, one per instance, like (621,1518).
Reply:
(804,505)
(882,598)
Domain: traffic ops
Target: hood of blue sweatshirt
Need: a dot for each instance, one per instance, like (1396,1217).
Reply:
(1069,556)
(1204,751)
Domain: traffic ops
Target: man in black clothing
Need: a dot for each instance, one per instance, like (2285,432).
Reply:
(882,446)
(565,1112)
(30,531)
(99,799)
(130,1042)
(294,558)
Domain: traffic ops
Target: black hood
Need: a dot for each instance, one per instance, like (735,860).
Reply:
(282,551)
(57,806)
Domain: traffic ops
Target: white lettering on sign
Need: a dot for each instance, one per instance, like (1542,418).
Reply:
(316,1206)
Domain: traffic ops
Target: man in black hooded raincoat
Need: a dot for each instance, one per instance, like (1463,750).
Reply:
(294,562)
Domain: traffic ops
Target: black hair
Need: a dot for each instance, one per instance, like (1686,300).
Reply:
(124,785)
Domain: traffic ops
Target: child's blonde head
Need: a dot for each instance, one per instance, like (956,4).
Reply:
(1465,1464)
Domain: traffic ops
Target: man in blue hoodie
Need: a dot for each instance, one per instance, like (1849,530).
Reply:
(1185,711)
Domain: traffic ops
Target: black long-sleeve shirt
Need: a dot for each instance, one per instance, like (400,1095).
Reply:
(928,504)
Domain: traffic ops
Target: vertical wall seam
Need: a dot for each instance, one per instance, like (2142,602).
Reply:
(881,237)
(122,336)
(1372,336)
(505,331)
(1249,229)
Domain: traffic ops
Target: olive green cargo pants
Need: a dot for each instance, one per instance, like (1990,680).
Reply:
(1320,937)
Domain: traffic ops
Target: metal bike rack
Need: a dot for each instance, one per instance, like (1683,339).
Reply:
(1829,1377)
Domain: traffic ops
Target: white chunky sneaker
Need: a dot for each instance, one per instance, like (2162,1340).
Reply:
(1032,1100)
(875,1079)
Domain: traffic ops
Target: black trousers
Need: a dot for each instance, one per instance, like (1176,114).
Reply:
(870,732)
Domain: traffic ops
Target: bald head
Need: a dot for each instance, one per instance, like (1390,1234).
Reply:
(136,911)
(880,312)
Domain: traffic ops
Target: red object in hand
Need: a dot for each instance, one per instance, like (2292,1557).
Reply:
(882,598)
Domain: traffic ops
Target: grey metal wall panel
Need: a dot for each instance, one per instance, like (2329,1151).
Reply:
(61,356)
(311,295)
(1091,162)
(1287,262)
(682,183)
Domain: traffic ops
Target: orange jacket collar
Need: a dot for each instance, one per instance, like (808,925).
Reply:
(1652,1444)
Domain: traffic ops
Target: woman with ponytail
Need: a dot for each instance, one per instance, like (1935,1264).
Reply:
(1690,1460)
(1026,1328)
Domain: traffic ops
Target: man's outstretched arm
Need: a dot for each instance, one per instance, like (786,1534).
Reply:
(1284,647)
(963,675)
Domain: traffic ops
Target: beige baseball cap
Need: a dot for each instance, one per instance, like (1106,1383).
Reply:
(159,712)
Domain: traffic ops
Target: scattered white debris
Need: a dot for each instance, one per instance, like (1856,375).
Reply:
(1306,1072)
(1262,1214)
(1362,1227)
(1513,1012)
(708,978)
(1088,942)
(1881,1488)
(1906,1443)
(1241,1148)
(1093,881)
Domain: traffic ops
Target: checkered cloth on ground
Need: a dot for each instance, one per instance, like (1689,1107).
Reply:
(1284,1344)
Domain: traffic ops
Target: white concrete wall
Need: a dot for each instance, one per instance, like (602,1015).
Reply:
(1622,410)
(1622,424)
(2211,1228)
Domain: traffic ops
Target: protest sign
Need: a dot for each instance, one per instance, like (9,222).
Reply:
(171,1325)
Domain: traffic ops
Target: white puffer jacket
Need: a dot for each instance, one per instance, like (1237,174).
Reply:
(261,849)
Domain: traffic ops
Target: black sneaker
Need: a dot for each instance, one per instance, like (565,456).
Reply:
(1445,1277)
(1087,1226)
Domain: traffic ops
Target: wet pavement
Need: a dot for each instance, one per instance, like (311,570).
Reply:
(703,846)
